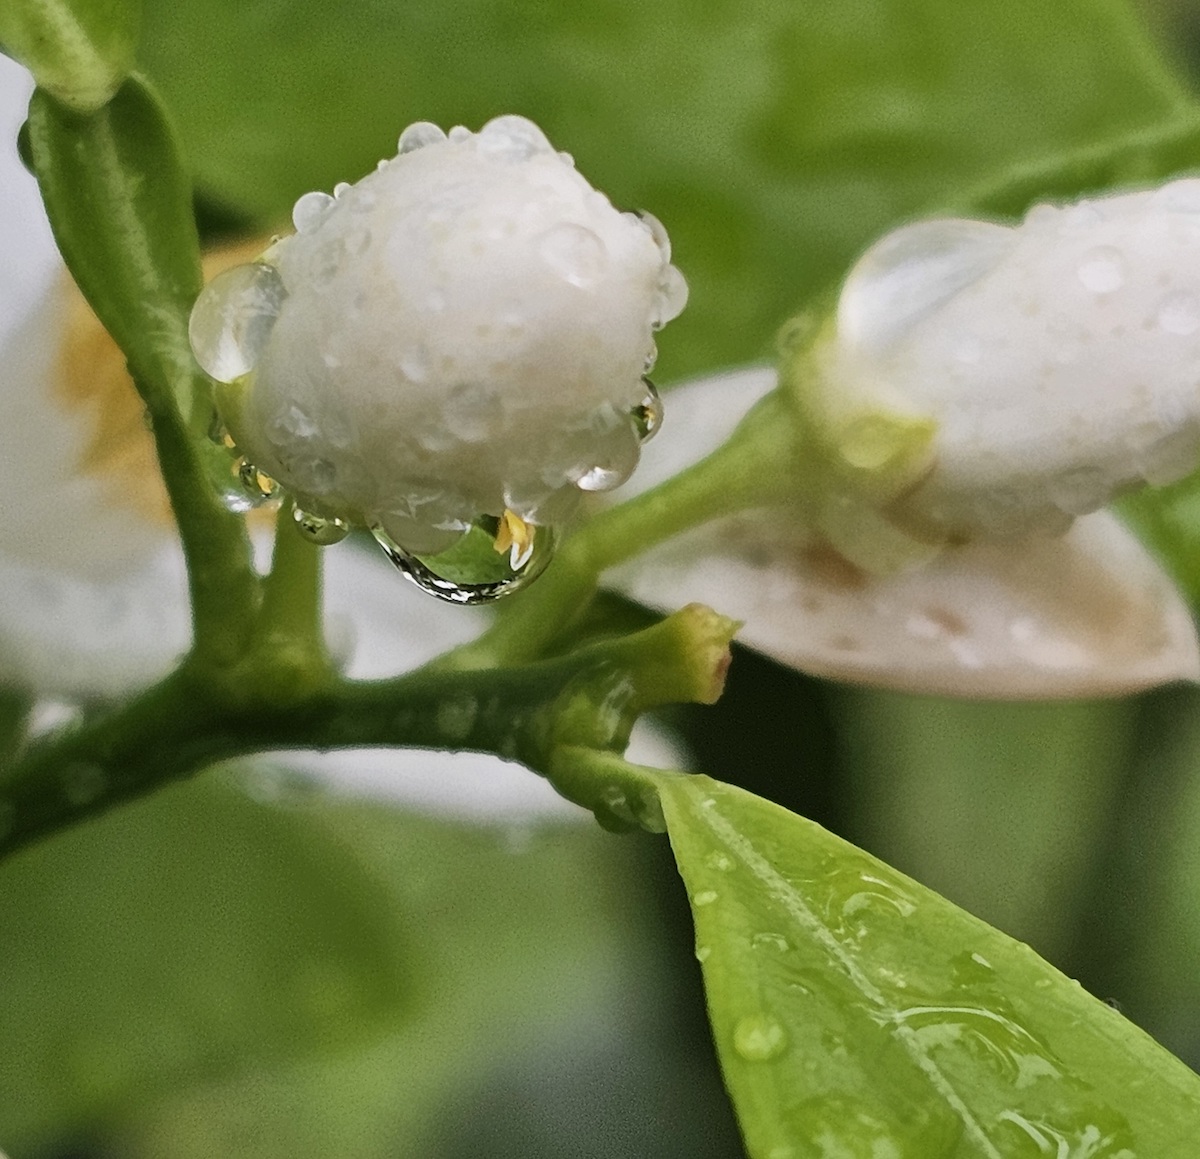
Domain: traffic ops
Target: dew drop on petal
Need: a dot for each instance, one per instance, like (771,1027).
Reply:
(659,233)
(513,138)
(482,565)
(648,414)
(320,529)
(614,459)
(232,320)
(672,297)
(1102,270)
(259,487)
(310,210)
(418,135)
(574,253)
(1179,313)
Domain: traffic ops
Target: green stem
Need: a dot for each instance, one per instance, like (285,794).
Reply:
(586,700)
(290,616)
(119,200)
(1142,157)
(754,468)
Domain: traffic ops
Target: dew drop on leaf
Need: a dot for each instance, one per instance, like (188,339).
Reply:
(759,1038)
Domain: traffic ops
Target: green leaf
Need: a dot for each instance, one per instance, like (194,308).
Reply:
(181,937)
(857,1013)
(78,50)
(775,139)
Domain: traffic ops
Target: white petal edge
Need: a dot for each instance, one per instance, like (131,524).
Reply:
(1089,614)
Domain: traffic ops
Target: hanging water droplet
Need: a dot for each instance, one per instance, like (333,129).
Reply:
(322,530)
(418,135)
(759,1038)
(258,486)
(613,460)
(650,359)
(574,253)
(648,414)
(233,317)
(1179,313)
(494,557)
(310,210)
(672,297)
(1102,270)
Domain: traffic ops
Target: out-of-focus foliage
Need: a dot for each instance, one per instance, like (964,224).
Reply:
(776,139)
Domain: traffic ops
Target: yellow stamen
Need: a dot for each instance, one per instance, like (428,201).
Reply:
(514,536)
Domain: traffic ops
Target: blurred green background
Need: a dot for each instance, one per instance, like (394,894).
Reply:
(208,973)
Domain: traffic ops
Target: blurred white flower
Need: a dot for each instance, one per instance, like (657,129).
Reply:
(1005,380)
(461,335)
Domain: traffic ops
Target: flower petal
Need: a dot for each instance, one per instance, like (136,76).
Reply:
(1087,614)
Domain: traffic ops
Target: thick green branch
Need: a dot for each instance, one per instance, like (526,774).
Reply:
(587,700)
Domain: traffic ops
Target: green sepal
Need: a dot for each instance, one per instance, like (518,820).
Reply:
(79,51)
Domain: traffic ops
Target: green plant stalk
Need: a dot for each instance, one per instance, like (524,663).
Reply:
(756,467)
(119,202)
(587,700)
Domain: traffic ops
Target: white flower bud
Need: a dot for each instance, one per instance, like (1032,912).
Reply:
(1006,380)
(463,333)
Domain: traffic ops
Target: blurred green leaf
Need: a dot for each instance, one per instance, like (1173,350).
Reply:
(995,806)
(78,50)
(858,1013)
(526,937)
(184,936)
(775,139)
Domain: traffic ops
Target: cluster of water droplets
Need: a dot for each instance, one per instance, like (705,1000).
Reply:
(461,539)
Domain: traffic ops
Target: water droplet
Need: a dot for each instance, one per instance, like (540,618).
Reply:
(574,253)
(512,138)
(482,564)
(1102,270)
(614,459)
(472,411)
(719,861)
(702,953)
(704,897)
(232,320)
(315,476)
(322,530)
(648,414)
(672,297)
(460,133)
(759,1038)
(342,188)
(414,363)
(1095,1133)
(258,486)
(659,233)
(1179,313)
(768,940)
(83,783)
(418,135)
(310,210)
